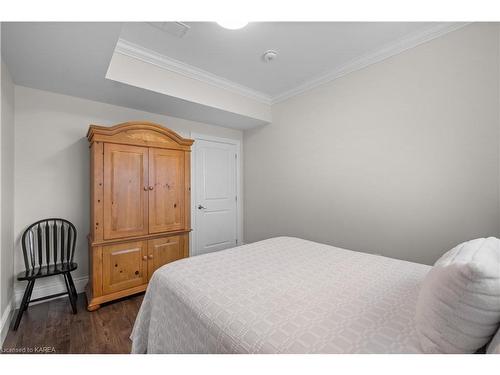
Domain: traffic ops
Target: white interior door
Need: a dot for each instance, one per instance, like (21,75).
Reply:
(215,204)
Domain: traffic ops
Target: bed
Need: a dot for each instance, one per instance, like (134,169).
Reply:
(281,295)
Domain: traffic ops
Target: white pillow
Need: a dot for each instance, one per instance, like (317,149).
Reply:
(494,345)
(458,308)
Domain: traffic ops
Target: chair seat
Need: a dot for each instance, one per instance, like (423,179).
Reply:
(49,270)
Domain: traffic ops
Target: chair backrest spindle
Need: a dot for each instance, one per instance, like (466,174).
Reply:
(63,252)
(47,242)
(39,244)
(54,240)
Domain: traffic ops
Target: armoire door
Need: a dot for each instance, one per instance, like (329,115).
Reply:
(124,266)
(164,250)
(125,191)
(166,194)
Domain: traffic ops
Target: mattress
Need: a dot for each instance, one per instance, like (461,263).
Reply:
(281,295)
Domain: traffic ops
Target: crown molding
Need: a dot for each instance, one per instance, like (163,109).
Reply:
(387,51)
(136,51)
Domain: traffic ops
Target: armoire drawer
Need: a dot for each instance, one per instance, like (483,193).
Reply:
(124,266)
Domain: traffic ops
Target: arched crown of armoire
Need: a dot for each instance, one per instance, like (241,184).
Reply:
(141,133)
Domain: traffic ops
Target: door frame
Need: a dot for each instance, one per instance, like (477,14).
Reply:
(239,186)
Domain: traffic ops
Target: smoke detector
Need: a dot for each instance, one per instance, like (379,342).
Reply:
(269,55)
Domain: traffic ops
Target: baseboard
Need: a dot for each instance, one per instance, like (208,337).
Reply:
(46,287)
(5,321)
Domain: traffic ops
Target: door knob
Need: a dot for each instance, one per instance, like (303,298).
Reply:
(145,188)
(200,207)
(144,257)
(150,188)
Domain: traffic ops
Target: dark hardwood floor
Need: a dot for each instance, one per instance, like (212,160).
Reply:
(50,327)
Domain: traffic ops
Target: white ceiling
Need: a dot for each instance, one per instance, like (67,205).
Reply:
(72,58)
(305,49)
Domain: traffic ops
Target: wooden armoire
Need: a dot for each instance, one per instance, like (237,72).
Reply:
(139,206)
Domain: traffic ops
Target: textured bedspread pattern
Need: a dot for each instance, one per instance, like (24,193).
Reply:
(282,295)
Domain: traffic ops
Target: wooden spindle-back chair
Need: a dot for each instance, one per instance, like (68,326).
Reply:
(48,249)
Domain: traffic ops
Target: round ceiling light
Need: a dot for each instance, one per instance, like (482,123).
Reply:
(232,24)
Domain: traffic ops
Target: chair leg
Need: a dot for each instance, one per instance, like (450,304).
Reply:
(23,306)
(72,285)
(71,295)
(29,296)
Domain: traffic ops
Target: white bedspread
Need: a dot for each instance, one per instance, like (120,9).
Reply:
(282,295)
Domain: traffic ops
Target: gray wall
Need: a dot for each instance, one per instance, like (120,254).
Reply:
(7,192)
(52,160)
(400,158)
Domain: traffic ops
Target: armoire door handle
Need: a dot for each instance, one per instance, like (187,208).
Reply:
(200,207)
(150,188)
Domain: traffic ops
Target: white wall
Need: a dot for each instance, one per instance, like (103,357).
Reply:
(6,199)
(400,158)
(52,161)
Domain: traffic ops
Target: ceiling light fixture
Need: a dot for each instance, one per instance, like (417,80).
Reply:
(232,24)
